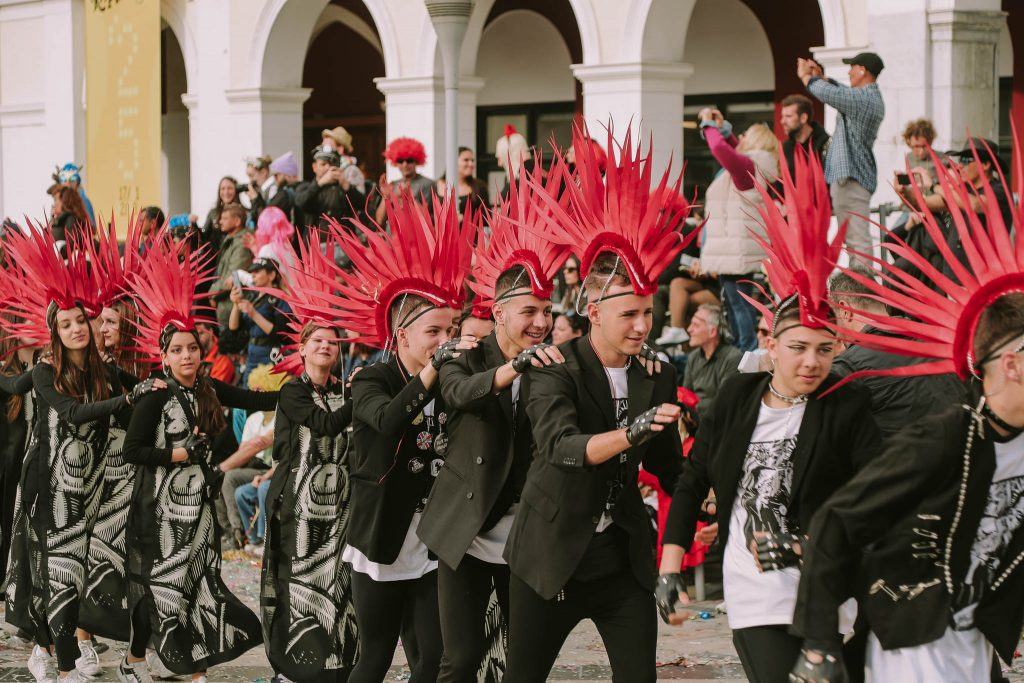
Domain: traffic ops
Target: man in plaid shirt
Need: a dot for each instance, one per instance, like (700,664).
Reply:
(850,164)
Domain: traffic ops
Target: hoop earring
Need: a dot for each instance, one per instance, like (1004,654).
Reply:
(772,371)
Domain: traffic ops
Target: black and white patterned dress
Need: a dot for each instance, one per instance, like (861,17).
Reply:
(174,558)
(18,579)
(309,623)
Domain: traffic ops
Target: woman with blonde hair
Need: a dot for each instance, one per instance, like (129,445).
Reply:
(729,248)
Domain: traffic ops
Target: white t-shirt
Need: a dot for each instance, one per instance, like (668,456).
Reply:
(618,384)
(963,653)
(254,428)
(754,598)
(490,545)
(412,562)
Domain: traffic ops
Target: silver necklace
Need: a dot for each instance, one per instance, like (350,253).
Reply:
(792,400)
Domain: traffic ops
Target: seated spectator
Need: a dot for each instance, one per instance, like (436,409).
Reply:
(712,360)
(895,401)
(569,326)
(758,360)
(255,451)
(919,135)
(260,315)
(221,367)
(251,500)
(688,288)
(233,256)
(329,195)
(568,286)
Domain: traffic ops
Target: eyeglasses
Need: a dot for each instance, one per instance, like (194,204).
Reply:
(406,161)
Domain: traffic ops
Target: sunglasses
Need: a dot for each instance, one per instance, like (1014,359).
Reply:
(569,269)
(406,161)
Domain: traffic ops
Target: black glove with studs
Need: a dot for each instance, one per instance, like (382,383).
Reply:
(779,550)
(648,354)
(524,361)
(198,448)
(829,670)
(666,593)
(641,428)
(141,389)
(445,352)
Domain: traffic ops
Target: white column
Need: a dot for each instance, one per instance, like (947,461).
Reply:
(964,82)
(648,96)
(469,86)
(414,107)
(270,118)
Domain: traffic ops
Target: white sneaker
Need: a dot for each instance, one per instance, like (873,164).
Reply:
(75,676)
(201,679)
(89,662)
(671,336)
(42,666)
(133,672)
(157,667)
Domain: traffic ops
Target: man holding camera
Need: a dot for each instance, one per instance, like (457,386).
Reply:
(330,195)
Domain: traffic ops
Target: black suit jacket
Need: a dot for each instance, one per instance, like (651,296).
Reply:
(563,497)
(484,452)
(391,475)
(837,437)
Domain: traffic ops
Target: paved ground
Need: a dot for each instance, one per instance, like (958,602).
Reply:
(699,651)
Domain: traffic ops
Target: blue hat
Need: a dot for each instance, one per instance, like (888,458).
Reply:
(69,173)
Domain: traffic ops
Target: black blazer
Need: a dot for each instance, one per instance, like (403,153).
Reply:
(391,469)
(837,437)
(886,531)
(563,498)
(485,451)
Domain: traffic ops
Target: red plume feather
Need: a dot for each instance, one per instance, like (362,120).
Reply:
(113,271)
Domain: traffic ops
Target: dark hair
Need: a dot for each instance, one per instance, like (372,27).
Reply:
(219,205)
(845,291)
(513,277)
(235,209)
(919,128)
(998,325)
(72,203)
(10,367)
(606,270)
(209,411)
(155,214)
(406,308)
(126,356)
(578,323)
(802,102)
(88,384)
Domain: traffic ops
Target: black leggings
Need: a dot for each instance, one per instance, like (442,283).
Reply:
(66,648)
(463,595)
(768,653)
(141,631)
(383,610)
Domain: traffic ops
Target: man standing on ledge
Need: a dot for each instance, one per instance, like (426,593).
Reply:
(850,168)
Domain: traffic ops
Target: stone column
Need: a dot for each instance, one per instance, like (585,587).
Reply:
(647,96)
(469,86)
(414,107)
(271,116)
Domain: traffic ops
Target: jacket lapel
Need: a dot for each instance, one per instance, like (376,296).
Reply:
(493,357)
(595,379)
(728,466)
(983,468)
(810,427)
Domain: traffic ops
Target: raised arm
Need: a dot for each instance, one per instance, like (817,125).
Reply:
(739,166)
(374,405)
(233,397)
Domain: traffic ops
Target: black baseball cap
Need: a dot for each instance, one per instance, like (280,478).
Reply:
(986,149)
(869,60)
(264,264)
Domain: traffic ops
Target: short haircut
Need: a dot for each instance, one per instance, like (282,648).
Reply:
(155,214)
(845,291)
(606,270)
(802,103)
(714,312)
(514,277)
(235,209)
(920,128)
(999,324)
(405,309)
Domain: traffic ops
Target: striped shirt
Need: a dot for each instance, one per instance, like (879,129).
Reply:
(860,113)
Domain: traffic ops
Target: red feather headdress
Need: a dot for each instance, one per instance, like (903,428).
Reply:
(37,276)
(620,213)
(798,256)
(165,288)
(424,255)
(516,238)
(406,148)
(941,324)
(114,271)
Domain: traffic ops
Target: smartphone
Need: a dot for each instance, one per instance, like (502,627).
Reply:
(686,261)
(903,178)
(236,280)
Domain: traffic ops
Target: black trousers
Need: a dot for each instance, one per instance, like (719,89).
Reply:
(383,610)
(463,595)
(619,606)
(768,653)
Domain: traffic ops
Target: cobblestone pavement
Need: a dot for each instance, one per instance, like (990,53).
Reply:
(701,650)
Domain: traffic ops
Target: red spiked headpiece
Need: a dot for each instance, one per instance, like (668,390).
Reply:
(620,213)
(942,324)
(516,238)
(165,288)
(114,271)
(798,256)
(37,277)
(406,148)
(423,255)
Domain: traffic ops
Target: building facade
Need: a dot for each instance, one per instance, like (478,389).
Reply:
(247,77)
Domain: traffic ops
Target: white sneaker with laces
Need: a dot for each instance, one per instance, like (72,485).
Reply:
(157,667)
(75,676)
(672,336)
(133,672)
(89,662)
(42,666)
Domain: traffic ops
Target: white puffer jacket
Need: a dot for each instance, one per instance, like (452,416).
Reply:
(727,246)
